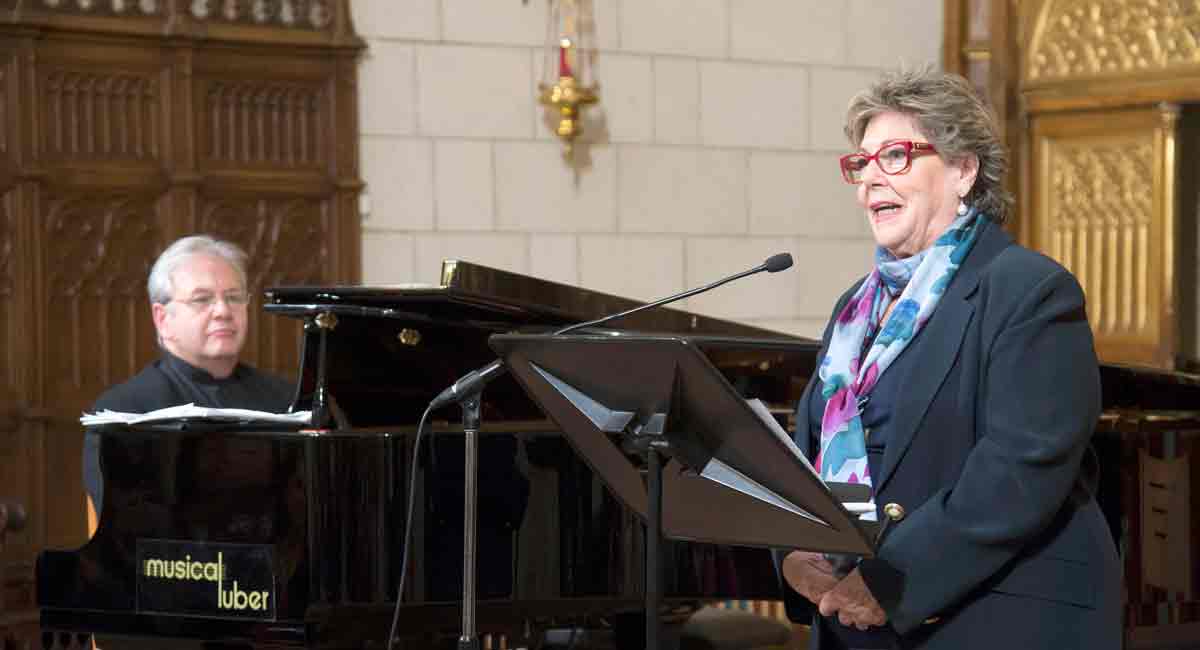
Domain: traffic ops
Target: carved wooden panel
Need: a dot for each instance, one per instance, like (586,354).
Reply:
(274,21)
(8,359)
(15,481)
(116,8)
(1103,207)
(5,100)
(97,307)
(295,14)
(100,114)
(98,326)
(125,124)
(1108,38)
(263,123)
(288,243)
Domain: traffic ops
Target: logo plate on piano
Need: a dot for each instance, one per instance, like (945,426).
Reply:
(205,579)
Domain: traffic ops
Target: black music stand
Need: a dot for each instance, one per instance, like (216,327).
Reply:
(660,399)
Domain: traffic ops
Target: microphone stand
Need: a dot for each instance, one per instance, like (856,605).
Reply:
(470,418)
(468,391)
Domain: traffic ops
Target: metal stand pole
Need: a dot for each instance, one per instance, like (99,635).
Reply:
(470,416)
(653,540)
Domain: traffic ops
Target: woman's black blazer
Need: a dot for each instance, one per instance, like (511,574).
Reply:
(1001,544)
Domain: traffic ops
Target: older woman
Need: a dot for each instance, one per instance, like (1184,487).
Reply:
(958,379)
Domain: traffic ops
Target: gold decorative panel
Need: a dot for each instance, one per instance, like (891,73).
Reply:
(264,123)
(1102,207)
(108,115)
(1076,39)
(96,290)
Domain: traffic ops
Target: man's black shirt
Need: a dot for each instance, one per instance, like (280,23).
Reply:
(171,381)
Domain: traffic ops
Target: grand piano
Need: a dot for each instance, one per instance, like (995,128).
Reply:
(312,519)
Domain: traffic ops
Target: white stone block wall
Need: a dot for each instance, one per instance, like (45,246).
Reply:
(714,145)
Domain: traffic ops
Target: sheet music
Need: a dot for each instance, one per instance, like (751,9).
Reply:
(191,411)
(721,473)
(764,414)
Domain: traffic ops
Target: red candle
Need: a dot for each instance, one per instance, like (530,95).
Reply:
(564,66)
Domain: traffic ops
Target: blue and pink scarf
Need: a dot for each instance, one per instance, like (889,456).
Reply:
(916,284)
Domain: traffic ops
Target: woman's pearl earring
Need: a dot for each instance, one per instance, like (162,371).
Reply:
(962,208)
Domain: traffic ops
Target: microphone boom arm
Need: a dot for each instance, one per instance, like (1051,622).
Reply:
(656,303)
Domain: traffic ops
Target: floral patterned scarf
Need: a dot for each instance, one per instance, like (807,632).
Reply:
(916,284)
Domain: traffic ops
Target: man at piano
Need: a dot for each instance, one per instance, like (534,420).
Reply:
(198,300)
(958,380)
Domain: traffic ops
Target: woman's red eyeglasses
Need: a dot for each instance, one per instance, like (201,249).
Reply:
(893,157)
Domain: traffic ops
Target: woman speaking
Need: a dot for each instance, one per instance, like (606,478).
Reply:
(958,379)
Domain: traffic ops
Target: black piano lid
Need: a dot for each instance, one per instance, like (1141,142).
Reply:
(495,299)
(394,348)
(1150,392)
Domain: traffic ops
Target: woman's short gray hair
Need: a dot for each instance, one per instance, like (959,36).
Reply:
(954,119)
(161,286)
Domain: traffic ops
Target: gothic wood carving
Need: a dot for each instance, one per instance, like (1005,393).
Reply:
(294,14)
(96,280)
(125,124)
(262,123)
(288,242)
(90,114)
(114,8)
(8,234)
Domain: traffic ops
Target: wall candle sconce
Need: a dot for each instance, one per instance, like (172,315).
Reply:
(566,87)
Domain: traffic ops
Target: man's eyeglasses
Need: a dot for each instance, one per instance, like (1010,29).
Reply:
(206,301)
(893,157)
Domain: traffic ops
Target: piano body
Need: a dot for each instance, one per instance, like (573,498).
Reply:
(314,518)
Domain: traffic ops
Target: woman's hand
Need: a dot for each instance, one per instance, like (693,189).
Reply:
(810,574)
(853,603)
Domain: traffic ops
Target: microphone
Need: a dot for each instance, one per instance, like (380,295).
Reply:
(474,381)
(468,384)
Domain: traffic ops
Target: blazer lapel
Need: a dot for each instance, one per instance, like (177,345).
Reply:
(937,345)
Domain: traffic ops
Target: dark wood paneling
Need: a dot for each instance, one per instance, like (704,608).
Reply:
(125,124)
(95,302)
(288,243)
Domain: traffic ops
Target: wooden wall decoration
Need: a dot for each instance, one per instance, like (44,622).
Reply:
(125,124)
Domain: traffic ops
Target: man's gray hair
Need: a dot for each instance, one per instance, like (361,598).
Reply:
(952,116)
(161,286)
